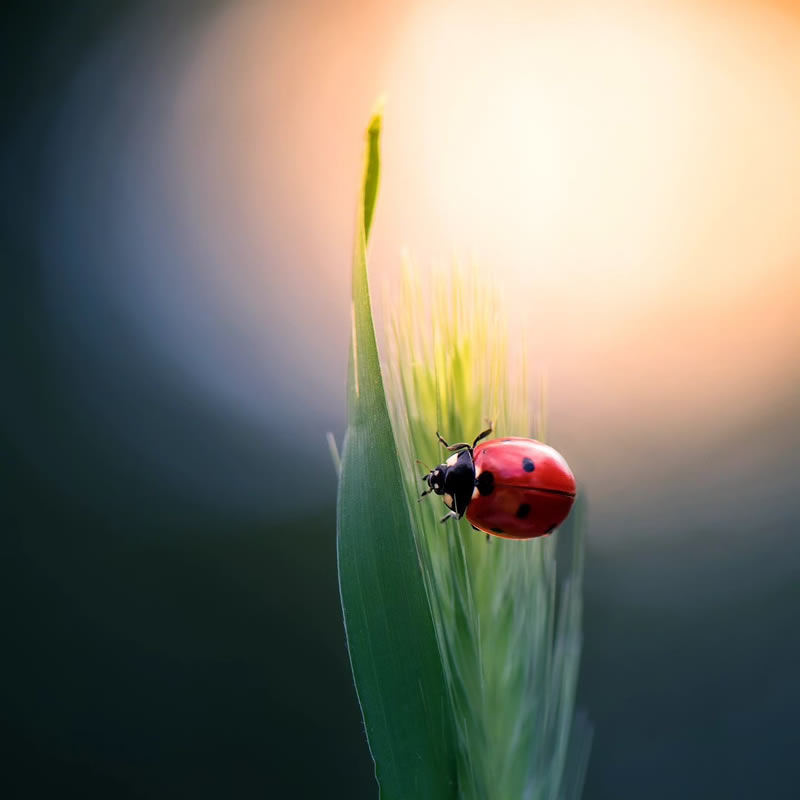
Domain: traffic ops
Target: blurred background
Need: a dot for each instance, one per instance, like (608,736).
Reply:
(179,185)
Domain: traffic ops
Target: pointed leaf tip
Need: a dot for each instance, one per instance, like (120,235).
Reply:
(372,165)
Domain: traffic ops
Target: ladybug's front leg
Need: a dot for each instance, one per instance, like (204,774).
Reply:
(483,434)
(449,515)
(452,447)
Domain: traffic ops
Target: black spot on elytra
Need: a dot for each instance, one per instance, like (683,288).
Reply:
(528,465)
(485,483)
(497,530)
(523,511)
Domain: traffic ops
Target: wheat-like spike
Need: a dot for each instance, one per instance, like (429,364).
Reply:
(510,658)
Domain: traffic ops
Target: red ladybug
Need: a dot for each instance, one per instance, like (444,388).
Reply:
(514,488)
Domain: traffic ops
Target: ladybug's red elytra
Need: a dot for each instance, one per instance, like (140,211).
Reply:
(514,488)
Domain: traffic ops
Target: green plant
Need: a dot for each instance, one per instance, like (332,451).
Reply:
(464,652)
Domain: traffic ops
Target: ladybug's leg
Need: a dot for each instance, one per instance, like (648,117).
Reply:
(482,434)
(449,515)
(453,447)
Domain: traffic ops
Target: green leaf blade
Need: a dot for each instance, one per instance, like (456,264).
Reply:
(391,637)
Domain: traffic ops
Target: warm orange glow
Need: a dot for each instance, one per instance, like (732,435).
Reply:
(631,176)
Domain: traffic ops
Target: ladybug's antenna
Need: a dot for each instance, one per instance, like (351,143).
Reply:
(424,478)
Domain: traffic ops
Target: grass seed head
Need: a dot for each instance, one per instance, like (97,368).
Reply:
(508,630)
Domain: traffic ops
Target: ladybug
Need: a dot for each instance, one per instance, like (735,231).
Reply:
(514,488)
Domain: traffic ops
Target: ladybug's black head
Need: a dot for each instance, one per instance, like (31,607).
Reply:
(436,478)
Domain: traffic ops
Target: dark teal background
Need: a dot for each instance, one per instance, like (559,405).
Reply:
(158,644)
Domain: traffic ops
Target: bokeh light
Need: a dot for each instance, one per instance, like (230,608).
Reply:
(629,176)
(181,184)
